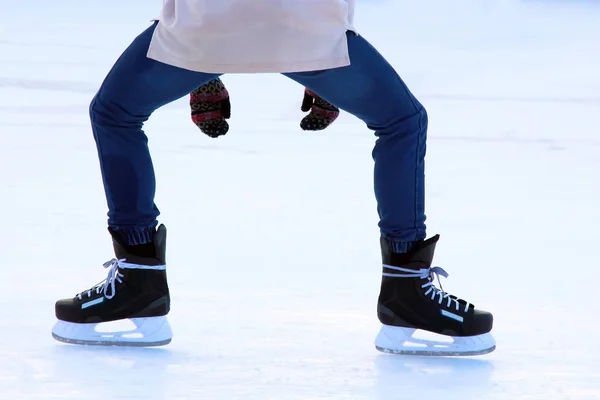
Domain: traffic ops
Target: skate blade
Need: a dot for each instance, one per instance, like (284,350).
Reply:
(147,332)
(397,340)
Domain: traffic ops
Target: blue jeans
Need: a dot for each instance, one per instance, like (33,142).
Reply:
(369,89)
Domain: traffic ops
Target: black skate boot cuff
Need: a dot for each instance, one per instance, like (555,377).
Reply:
(151,252)
(420,251)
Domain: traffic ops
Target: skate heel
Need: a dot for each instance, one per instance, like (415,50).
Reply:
(399,340)
(146,332)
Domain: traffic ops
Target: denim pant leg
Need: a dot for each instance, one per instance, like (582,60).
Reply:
(134,88)
(371,90)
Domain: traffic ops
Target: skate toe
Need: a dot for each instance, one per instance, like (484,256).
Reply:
(483,322)
(67,310)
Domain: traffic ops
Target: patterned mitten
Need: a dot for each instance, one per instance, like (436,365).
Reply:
(322,114)
(210,108)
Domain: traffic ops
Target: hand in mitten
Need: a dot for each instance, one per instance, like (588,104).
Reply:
(210,108)
(322,114)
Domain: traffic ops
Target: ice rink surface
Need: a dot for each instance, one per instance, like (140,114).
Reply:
(273,248)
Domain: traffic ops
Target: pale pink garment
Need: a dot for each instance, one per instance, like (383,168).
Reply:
(249,36)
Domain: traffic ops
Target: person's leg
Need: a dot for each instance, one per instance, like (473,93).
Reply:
(136,287)
(408,300)
(371,90)
(134,88)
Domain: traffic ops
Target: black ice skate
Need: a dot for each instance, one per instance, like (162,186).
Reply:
(135,289)
(409,301)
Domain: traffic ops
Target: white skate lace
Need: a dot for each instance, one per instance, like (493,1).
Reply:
(113,276)
(430,274)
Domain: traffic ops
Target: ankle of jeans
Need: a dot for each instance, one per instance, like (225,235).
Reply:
(401,247)
(135,235)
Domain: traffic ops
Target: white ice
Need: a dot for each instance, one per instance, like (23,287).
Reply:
(273,250)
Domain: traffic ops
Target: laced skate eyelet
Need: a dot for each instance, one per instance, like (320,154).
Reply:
(102,287)
(429,275)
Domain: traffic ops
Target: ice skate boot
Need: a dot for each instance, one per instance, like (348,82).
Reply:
(409,303)
(135,292)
